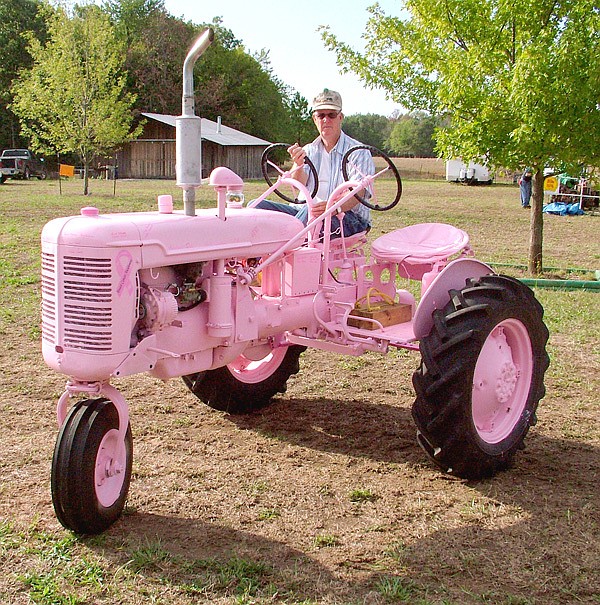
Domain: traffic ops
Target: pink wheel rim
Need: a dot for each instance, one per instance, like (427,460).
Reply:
(111,462)
(502,380)
(251,371)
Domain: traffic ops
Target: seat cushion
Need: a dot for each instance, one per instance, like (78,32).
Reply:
(425,242)
(417,248)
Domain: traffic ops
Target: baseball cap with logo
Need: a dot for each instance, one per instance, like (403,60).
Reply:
(328,99)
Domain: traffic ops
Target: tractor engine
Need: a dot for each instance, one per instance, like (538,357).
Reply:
(154,291)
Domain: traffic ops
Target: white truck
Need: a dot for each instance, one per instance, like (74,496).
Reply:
(458,171)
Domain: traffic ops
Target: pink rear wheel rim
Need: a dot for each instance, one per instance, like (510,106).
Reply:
(254,371)
(502,381)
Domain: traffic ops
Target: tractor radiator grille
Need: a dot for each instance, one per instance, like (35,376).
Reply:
(84,297)
(48,296)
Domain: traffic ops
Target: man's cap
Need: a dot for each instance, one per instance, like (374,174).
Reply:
(328,99)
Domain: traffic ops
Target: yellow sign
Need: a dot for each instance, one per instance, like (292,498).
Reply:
(551,185)
(66,170)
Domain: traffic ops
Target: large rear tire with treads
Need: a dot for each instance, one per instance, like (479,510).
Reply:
(481,376)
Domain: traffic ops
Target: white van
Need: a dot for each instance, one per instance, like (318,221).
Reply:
(471,174)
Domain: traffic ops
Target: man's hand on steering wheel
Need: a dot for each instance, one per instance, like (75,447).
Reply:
(297,154)
(271,170)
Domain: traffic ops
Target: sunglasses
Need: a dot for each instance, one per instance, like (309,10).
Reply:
(321,115)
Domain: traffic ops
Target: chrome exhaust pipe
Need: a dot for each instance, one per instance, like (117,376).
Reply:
(188,154)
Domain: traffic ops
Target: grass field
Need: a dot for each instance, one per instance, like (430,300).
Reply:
(324,497)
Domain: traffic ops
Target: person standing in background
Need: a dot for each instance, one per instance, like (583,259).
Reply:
(525,183)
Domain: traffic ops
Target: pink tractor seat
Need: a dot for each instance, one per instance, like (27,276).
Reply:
(417,248)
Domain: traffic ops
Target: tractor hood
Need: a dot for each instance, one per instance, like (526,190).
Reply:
(175,238)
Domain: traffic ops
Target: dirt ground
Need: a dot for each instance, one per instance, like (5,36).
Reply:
(278,486)
(326,488)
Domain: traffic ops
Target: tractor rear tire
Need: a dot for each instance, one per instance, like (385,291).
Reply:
(246,385)
(481,377)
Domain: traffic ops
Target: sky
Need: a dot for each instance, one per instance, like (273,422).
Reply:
(297,54)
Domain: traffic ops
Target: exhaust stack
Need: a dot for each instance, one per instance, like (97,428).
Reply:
(188,162)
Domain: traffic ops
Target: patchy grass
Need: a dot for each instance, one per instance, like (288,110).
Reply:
(323,498)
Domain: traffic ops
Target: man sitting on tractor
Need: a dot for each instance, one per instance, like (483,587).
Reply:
(326,153)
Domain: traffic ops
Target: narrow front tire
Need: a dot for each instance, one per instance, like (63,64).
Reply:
(91,468)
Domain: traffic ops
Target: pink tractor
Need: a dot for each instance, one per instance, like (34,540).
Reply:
(228,298)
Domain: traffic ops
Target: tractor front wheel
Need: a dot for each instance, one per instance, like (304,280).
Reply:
(481,377)
(91,468)
(246,384)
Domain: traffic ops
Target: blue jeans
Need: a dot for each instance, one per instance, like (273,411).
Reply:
(525,193)
(352,222)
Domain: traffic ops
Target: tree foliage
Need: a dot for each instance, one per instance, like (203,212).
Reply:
(413,135)
(19,19)
(520,82)
(242,89)
(301,128)
(232,83)
(132,17)
(370,129)
(73,99)
(229,82)
(156,44)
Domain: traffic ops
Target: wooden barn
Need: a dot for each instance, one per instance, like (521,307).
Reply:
(152,155)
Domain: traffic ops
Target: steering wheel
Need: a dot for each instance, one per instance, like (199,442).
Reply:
(271,170)
(354,165)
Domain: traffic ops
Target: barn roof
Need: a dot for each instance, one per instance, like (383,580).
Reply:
(214,132)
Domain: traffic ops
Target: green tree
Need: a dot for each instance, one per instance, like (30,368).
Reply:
(413,135)
(520,82)
(73,99)
(131,17)
(301,127)
(369,128)
(229,82)
(19,19)
(240,88)
(157,44)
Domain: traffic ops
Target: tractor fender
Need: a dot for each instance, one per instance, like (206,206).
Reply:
(437,295)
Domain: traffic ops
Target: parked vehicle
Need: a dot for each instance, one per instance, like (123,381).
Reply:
(21,164)
(228,298)
(472,173)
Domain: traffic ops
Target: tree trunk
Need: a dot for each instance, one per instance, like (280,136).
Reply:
(537,223)
(86,177)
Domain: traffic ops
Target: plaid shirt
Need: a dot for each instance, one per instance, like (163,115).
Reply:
(362,164)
